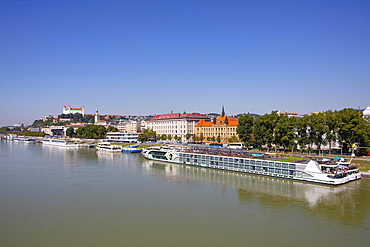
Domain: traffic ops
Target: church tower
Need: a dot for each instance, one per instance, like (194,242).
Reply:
(96,116)
(223,111)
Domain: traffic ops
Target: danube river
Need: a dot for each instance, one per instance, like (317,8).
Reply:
(52,196)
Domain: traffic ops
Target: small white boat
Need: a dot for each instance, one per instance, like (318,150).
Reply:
(18,139)
(131,149)
(24,140)
(59,143)
(30,140)
(107,147)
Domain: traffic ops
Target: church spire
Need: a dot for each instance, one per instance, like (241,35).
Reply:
(223,111)
(96,117)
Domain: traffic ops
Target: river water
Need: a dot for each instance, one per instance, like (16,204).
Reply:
(52,196)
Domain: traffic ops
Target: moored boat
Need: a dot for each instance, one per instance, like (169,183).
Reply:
(131,149)
(30,140)
(334,173)
(59,143)
(108,147)
(18,139)
(24,140)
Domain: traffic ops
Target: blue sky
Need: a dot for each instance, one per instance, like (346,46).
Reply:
(153,57)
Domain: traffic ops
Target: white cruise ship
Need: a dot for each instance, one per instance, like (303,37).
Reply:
(333,173)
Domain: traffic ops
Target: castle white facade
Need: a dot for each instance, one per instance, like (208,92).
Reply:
(70,110)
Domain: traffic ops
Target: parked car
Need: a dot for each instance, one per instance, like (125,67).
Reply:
(215,145)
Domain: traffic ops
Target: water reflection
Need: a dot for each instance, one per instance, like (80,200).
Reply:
(348,203)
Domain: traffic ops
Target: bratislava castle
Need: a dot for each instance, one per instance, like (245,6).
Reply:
(70,110)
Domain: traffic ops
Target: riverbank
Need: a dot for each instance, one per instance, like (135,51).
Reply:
(362,162)
(365,174)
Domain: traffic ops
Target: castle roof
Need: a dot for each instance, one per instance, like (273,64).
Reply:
(73,109)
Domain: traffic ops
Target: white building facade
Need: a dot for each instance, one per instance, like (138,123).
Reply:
(175,124)
(70,110)
(122,137)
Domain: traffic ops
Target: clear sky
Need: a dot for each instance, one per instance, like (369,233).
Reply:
(152,57)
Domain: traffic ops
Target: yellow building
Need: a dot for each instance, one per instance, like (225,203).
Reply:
(223,127)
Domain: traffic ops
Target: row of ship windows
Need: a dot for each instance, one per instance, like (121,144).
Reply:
(240,161)
(246,167)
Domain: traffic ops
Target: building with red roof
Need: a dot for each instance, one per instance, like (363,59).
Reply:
(221,128)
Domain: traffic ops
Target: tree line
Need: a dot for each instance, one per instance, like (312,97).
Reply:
(346,127)
(90,131)
(149,134)
(63,119)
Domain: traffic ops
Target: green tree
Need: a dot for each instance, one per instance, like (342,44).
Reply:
(41,123)
(331,123)
(218,138)
(70,132)
(91,132)
(284,132)
(146,135)
(4,129)
(264,128)
(319,130)
(112,129)
(301,133)
(201,137)
(233,139)
(352,128)
(245,129)
(196,138)
(188,136)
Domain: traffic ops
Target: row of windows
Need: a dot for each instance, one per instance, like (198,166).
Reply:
(231,166)
(218,134)
(169,127)
(203,129)
(260,163)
